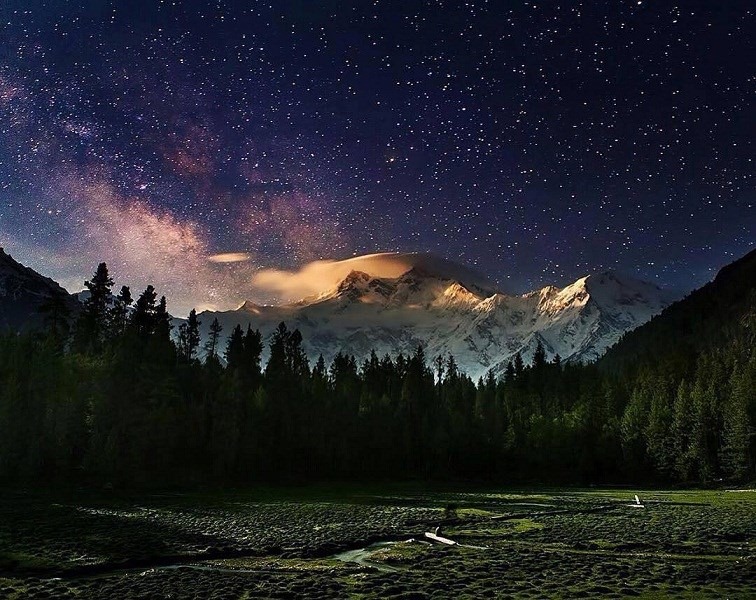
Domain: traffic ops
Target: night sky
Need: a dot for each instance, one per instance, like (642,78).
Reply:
(534,141)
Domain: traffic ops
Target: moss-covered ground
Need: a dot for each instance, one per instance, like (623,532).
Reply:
(286,543)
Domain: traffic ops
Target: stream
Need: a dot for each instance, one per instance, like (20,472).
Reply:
(362,556)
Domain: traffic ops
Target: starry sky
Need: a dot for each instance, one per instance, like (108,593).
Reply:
(190,144)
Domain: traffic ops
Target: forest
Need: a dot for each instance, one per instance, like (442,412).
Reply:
(113,396)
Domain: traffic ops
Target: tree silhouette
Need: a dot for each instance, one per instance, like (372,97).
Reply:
(213,341)
(143,319)
(189,337)
(119,312)
(91,328)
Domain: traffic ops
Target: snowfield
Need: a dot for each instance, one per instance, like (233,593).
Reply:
(450,310)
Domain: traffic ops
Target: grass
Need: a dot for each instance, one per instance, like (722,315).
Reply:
(280,542)
(23,561)
(524,525)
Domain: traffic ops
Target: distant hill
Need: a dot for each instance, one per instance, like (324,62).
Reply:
(720,311)
(23,292)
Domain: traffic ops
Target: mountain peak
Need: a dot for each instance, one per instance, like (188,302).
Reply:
(413,266)
(610,288)
(373,278)
(355,277)
(612,277)
(354,286)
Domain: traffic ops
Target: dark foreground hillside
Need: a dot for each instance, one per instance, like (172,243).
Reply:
(711,317)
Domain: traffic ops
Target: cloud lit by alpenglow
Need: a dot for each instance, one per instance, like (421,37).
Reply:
(230,257)
(321,276)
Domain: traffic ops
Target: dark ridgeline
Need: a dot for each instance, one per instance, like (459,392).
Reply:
(118,400)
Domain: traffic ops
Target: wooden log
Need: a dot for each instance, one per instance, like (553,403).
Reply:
(439,539)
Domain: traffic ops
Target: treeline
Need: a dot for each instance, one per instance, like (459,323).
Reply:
(120,398)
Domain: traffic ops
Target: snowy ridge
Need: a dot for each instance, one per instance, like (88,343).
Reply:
(452,310)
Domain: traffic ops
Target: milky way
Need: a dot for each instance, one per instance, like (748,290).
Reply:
(190,144)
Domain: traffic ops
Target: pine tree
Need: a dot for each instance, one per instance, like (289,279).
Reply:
(452,370)
(519,366)
(91,328)
(509,373)
(213,341)
(633,428)
(539,356)
(277,364)
(163,320)
(143,318)
(253,348)
(297,357)
(438,364)
(736,434)
(56,317)
(319,370)
(681,432)
(189,337)
(660,445)
(235,350)
(702,446)
(120,311)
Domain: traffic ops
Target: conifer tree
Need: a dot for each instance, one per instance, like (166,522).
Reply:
(438,364)
(163,320)
(519,365)
(91,327)
(660,445)
(143,318)
(189,337)
(452,370)
(702,438)
(56,318)
(235,350)
(509,373)
(539,356)
(252,351)
(681,432)
(213,341)
(120,311)
(736,434)
(277,366)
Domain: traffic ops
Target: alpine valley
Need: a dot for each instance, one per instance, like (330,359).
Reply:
(450,309)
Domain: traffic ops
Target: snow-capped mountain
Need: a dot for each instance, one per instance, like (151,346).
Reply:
(23,291)
(390,303)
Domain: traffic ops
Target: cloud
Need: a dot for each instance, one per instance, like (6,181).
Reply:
(230,257)
(322,275)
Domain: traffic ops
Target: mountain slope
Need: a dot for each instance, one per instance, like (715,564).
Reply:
(723,309)
(452,310)
(22,292)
